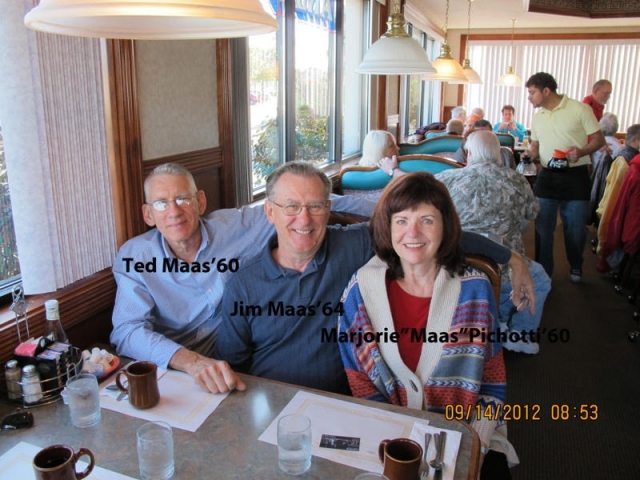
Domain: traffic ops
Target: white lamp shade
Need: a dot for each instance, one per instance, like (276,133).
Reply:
(510,79)
(472,75)
(447,70)
(151,19)
(395,56)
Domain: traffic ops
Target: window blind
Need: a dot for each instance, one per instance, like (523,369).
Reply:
(52,107)
(575,64)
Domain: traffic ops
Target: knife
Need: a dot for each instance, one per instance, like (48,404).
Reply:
(443,441)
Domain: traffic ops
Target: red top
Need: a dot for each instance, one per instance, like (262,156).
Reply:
(408,313)
(597,108)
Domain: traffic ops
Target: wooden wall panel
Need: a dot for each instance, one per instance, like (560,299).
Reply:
(206,166)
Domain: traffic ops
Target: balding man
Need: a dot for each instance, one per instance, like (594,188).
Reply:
(599,97)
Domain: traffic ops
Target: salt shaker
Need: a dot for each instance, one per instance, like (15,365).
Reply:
(13,376)
(31,388)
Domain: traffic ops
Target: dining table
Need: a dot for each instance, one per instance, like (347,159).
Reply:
(226,445)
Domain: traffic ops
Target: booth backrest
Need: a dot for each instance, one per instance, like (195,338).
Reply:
(440,145)
(434,133)
(369,181)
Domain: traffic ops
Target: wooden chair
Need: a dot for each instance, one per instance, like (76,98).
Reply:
(489,268)
(442,145)
(369,182)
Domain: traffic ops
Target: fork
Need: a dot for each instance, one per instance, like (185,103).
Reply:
(424,464)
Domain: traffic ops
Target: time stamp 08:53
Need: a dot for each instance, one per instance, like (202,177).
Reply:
(516,412)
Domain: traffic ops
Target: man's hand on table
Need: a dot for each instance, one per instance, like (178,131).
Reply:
(215,376)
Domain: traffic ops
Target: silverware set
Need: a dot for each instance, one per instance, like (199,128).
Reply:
(439,440)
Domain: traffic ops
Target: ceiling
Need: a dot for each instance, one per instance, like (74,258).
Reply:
(494,14)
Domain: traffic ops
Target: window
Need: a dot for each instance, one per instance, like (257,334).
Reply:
(617,60)
(55,148)
(422,99)
(300,94)
(9,266)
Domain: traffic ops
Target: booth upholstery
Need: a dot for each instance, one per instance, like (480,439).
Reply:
(442,145)
(369,181)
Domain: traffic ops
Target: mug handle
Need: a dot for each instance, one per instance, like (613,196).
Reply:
(381,448)
(86,471)
(119,385)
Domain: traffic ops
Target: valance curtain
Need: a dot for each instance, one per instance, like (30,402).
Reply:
(53,119)
(575,64)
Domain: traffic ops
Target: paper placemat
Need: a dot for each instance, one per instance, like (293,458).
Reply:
(338,417)
(183,404)
(17,464)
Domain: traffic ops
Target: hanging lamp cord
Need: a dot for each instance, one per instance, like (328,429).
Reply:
(466,47)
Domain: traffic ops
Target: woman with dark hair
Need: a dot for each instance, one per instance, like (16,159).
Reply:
(410,310)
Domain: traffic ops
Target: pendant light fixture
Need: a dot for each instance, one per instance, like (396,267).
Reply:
(151,19)
(511,79)
(395,52)
(470,73)
(447,69)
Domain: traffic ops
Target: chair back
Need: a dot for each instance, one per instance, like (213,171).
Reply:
(489,268)
(440,145)
(507,140)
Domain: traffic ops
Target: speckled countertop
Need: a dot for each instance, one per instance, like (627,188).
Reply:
(225,447)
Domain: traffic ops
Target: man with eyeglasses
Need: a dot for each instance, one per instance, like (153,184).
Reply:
(171,278)
(600,93)
(278,310)
(274,308)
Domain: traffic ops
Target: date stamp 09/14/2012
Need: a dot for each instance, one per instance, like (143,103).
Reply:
(520,412)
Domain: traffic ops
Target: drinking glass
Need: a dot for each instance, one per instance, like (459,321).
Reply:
(371,476)
(294,444)
(155,451)
(84,400)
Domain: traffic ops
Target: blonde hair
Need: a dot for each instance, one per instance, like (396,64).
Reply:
(374,146)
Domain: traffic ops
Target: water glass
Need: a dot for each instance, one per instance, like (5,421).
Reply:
(155,451)
(371,476)
(294,444)
(84,400)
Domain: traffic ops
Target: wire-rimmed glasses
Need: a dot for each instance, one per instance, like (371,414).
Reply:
(181,201)
(293,209)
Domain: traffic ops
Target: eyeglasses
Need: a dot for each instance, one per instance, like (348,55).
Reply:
(181,201)
(17,421)
(294,209)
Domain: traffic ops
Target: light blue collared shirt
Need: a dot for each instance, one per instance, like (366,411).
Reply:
(156,313)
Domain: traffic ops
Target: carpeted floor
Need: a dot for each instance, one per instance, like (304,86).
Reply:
(598,366)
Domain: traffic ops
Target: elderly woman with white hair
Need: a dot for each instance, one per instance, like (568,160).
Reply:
(609,125)
(378,144)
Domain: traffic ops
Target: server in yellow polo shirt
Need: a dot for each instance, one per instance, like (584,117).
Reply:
(568,125)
